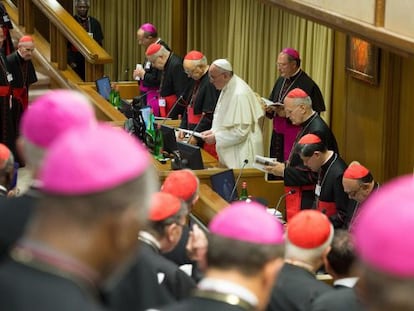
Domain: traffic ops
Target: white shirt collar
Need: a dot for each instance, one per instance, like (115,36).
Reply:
(348,282)
(227,287)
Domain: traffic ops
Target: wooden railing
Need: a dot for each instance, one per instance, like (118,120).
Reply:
(64,28)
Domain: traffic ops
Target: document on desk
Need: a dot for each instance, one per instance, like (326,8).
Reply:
(196,134)
(260,162)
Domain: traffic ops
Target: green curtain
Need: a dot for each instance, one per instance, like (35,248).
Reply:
(121,19)
(251,34)
(247,32)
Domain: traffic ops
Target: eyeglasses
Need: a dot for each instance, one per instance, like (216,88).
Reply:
(282,64)
(213,78)
(190,72)
(353,193)
(287,111)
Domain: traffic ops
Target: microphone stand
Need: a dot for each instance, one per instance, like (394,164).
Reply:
(172,108)
(196,127)
(238,178)
(283,196)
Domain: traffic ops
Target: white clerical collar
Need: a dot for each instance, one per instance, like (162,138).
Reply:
(148,237)
(348,282)
(230,288)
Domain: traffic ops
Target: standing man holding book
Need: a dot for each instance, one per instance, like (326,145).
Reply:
(290,76)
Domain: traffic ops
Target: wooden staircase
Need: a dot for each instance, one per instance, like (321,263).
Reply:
(40,87)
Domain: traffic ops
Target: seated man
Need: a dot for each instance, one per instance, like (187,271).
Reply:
(244,258)
(84,231)
(308,239)
(339,263)
(384,246)
(167,217)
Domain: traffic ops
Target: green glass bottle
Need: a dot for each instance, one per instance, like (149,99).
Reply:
(244,195)
(150,133)
(158,143)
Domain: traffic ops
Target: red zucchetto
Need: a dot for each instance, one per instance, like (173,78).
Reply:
(163,206)
(26,39)
(356,171)
(194,55)
(152,49)
(309,139)
(297,93)
(182,184)
(309,229)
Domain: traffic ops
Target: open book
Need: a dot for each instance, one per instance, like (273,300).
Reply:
(260,162)
(196,134)
(269,103)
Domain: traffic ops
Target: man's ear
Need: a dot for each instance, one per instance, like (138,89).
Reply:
(171,232)
(126,228)
(271,271)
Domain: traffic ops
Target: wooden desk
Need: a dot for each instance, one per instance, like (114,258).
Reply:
(208,204)
(257,186)
(103,109)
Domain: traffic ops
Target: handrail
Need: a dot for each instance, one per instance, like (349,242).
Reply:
(73,31)
(64,28)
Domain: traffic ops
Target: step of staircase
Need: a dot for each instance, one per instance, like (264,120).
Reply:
(40,87)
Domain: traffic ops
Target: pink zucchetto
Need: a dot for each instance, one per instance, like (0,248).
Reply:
(53,113)
(91,160)
(147,27)
(291,52)
(194,55)
(356,171)
(297,93)
(384,228)
(309,229)
(247,222)
(152,49)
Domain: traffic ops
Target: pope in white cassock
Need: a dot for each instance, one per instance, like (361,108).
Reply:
(235,129)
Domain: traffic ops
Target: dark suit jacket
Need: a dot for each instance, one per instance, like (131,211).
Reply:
(139,289)
(23,287)
(341,299)
(295,289)
(14,215)
(202,304)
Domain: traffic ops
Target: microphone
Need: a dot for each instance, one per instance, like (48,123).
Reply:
(283,196)
(203,115)
(172,108)
(238,178)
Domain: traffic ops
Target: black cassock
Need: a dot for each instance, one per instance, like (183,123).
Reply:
(139,289)
(26,285)
(202,99)
(295,289)
(9,111)
(174,83)
(299,177)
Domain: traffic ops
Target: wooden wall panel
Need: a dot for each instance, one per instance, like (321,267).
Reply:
(373,124)
(406,124)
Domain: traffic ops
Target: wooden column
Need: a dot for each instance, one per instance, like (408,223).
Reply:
(29,21)
(379,13)
(179,27)
(61,51)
